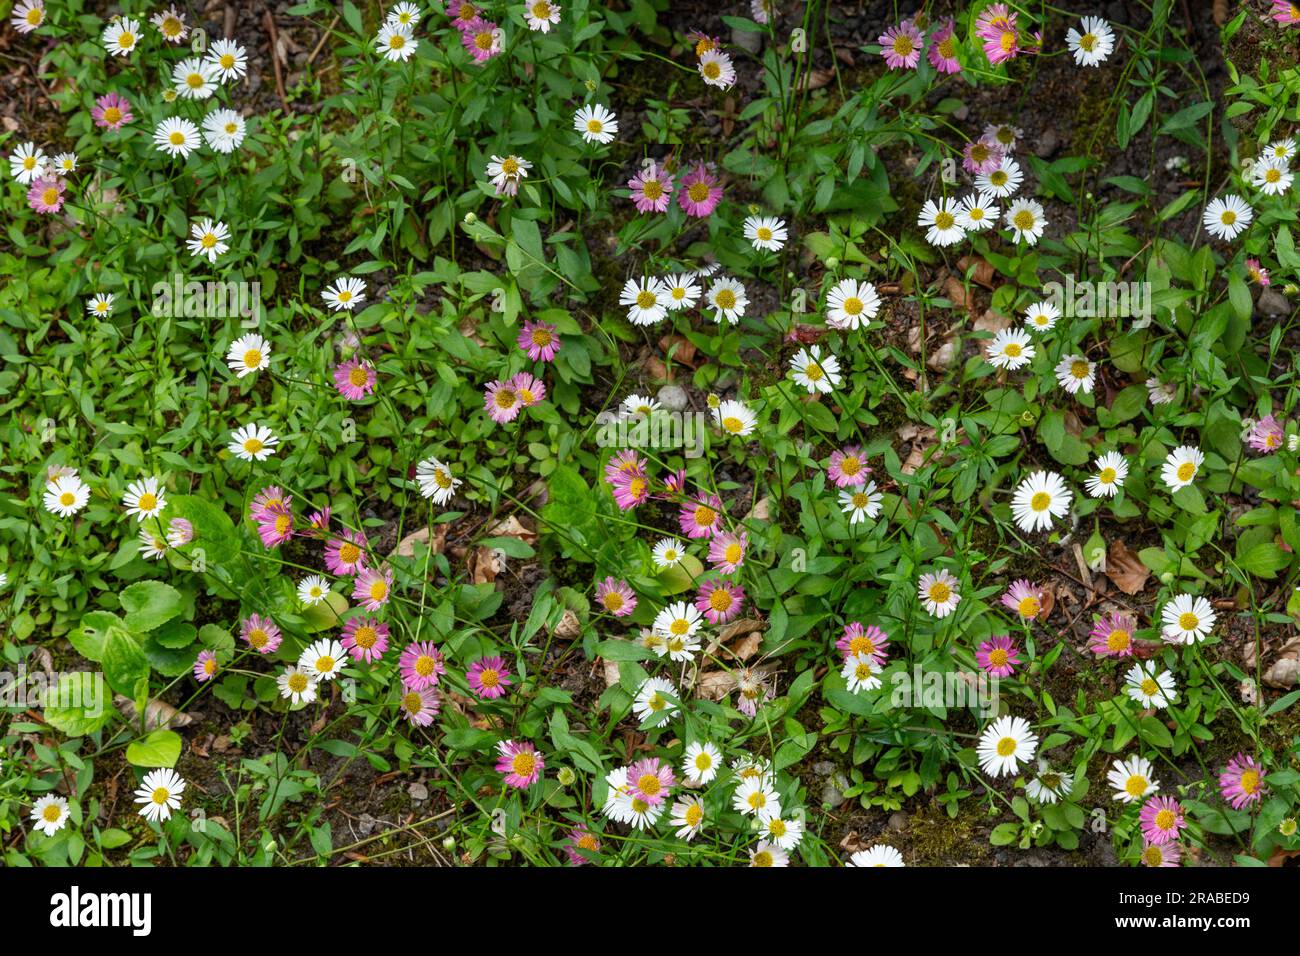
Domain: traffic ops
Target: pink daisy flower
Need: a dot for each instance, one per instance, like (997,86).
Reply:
(420,705)
(701,518)
(650,780)
(752,691)
(260,633)
(943,49)
(1242,781)
(581,840)
(1266,435)
(901,46)
(482,38)
(981,156)
(354,379)
(727,551)
(205,667)
(520,763)
(539,340)
(1025,598)
(1286,12)
(1161,819)
(269,499)
(319,521)
(346,554)
(46,195)
(111,111)
(275,527)
(1258,274)
(1112,636)
(373,588)
(365,638)
(624,465)
(421,665)
(998,656)
(530,390)
(847,467)
(462,13)
(675,483)
(719,601)
(700,193)
(631,491)
(488,677)
(616,597)
(652,188)
(1161,854)
(179,532)
(869,641)
(502,402)
(996,26)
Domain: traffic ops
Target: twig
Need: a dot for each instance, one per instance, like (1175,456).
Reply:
(269,22)
(321,42)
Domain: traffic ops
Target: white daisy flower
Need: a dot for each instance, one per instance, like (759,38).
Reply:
(208,238)
(701,761)
(1159,393)
(506,172)
(297,685)
(638,406)
(228,59)
(1228,217)
(1025,218)
(171,24)
(1040,498)
(851,304)
(940,220)
(1271,176)
(861,673)
(687,817)
(861,502)
(248,354)
(1004,134)
(224,130)
(757,796)
(345,293)
(728,300)
(717,69)
(681,619)
(815,373)
(313,589)
(27,162)
(766,232)
(938,592)
(735,418)
(1005,744)
(396,42)
(646,299)
(100,304)
(879,855)
(667,552)
(407,14)
(1181,466)
(436,480)
(683,291)
(680,648)
(63,164)
(252,443)
(1092,42)
(28,15)
(1075,372)
(176,137)
(1010,349)
(50,814)
(541,15)
(145,498)
(1050,785)
(152,547)
(1112,469)
(121,36)
(596,124)
(978,212)
(1149,688)
(194,79)
(1004,182)
(652,698)
(1282,149)
(160,794)
(1187,619)
(323,660)
(1132,779)
(66,495)
(1041,316)
(784,833)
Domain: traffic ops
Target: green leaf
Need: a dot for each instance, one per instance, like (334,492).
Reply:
(125,667)
(150,604)
(162,748)
(77,705)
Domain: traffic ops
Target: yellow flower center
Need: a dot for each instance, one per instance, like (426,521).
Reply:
(1118,640)
(944,221)
(698,191)
(720,600)
(1186,471)
(1188,621)
(939,592)
(1006,746)
(297,683)
(1024,220)
(1136,785)
(1040,501)
(1250,781)
(358,377)
(365,637)
(147,502)
(52,813)
(112,115)
(523,764)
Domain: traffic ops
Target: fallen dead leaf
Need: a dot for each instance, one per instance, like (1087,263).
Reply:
(983,274)
(435,541)
(715,685)
(1124,569)
(157,713)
